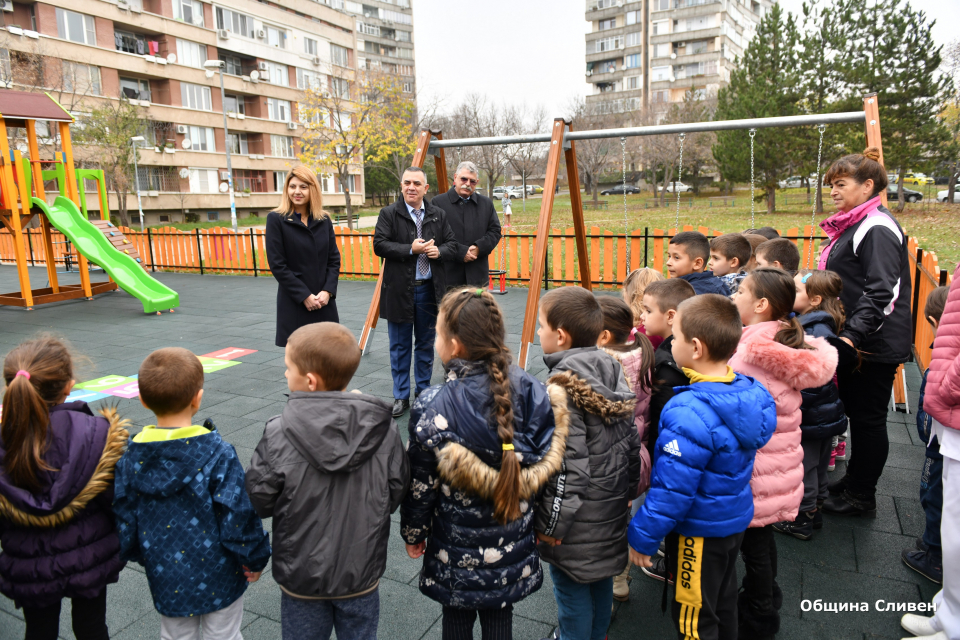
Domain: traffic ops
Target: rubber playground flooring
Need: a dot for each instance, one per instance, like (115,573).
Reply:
(848,561)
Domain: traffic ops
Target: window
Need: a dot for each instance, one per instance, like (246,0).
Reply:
(340,87)
(234,22)
(249,180)
(278,110)
(406,54)
(135,88)
(661,27)
(76,27)
(353,183)
(408,87)
(204,181)
(237,143)
(608,44)
(191,54)
(405,69)
(662,50)
(310,46)
(661,5)
(281,146)
(659,74)
(164,218)
(233,104)
(633,82)
(326,182)
(202,138)
(277,74)
(395,16)
(661,96)
(307,79)
(194,96)
(158,179)
(342,121)
(603,25)
(279,177)
(403,36)
(339,56)
(711,68)
(692,24)
(232,64)
(632,61)
(189,11)
(634,17)
(81,78)
(130,42)
(6,72)
(700,46)
(276,37)
(368,29)
(213,216)
(634,39)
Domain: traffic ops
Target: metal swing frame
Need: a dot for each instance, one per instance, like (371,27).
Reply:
(562,139)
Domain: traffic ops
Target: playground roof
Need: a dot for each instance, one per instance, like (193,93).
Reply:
(31,106)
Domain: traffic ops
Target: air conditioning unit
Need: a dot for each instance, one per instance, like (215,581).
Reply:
(261,33)
(182,128)
(263,66)
(679,44)
(225,176)
(292,126)
(316,60)
(223,34)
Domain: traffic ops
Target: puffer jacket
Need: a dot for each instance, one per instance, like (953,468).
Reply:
(925,423)
(778,471)
(822,413)
(942,399)
(471,560)
(585,505)
(184,515)
(631,362)
(709,436)
(705,282)
(329,449)
(62,542)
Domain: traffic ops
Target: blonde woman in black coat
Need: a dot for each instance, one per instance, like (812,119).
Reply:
(303,255)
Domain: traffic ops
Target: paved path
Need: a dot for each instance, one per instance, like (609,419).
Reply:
(848,561)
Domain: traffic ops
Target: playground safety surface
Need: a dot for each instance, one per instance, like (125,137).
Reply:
(848,561)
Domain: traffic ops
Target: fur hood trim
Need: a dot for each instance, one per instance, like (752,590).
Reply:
(583,396)
(101,479)
(465,471)
(797,368)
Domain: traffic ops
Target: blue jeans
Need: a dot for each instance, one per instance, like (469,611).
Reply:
(401,335)
(931,499)
(353,618)
(583,609)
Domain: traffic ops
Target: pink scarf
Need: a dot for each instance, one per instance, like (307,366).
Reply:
(839,222)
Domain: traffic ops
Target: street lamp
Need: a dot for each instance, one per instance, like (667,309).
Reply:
(217,66)
(135,141)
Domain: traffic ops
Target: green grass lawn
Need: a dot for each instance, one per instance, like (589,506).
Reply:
(190,226)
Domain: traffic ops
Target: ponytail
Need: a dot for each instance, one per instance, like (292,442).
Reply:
(780,291)
(828,285)
(506,492)
(860,167)
(791,334)
(36,374)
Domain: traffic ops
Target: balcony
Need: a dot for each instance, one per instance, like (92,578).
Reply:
(684,36)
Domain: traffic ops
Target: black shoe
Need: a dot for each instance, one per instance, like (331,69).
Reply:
(849,505)
(839,486)
(801,528)
(818,517)
(662,551)
(920,544)
(659,570)
(399,406)
(925,563)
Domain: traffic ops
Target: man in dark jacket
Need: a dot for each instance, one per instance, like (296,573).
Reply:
(415,242)
(475,224)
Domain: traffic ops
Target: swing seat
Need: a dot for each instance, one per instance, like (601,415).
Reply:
(500,288)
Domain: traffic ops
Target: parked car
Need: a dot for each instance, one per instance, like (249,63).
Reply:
(681,188)
(619,190)
(942,195)
(791,183)
(917,178)
(533,189)
(908,194)
(941,179)
(513,192)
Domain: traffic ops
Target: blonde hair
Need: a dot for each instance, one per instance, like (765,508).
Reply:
(634,286)
(306,174)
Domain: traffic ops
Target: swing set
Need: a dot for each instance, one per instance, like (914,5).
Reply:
(562,139)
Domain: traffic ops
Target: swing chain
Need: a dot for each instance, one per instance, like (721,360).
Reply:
(503,240)
(623,169)
(676,224)
(753,202)
(819,190)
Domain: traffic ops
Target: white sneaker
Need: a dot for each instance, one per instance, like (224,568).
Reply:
(939,635)
(917,625)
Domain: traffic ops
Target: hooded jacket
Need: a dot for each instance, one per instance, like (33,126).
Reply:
(942,397)
(700,486)
(666,376)
(822,412)
(630,362)
(585,505)
(62,542)
(472,561)
(778,471)
(706,282)
(183,513)
(330,470)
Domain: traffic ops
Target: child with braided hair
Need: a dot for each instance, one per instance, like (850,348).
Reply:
(481,446)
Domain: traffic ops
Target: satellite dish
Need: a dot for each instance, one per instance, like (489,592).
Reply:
(224,187)
(187,143)
(172,58)
(254,75)
(185,173)
(208,73)
(673,56)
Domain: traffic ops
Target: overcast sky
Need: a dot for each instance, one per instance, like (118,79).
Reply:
(532,51)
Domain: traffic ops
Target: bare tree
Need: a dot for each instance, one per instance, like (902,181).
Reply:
(595,157)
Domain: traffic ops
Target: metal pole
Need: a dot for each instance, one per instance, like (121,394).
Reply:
(226,140)
(199,252)
(33,262)
(136,176)
(253,249)
(153,264)
(646,236)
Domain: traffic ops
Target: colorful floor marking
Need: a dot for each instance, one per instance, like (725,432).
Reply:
(229,353)
(106,382)
(128,390)
(85,395)
(215,364)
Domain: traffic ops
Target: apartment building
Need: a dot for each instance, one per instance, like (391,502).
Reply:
(648,54)
(152,52)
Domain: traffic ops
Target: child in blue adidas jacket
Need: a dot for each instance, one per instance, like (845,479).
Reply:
(700,497)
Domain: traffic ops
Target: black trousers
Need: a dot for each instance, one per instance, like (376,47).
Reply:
(866,395)
(495,624)
(705,571)
(89,619)
(759,551)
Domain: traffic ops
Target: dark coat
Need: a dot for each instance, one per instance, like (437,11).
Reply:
(392,240)
(474,222)
(193,486)
(706,282)
(585,505)
(666,375)
(822,413)
(305,261)
(62,542)
(472,561)
(329,449)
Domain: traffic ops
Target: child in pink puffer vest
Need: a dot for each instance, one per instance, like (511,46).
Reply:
(775,351)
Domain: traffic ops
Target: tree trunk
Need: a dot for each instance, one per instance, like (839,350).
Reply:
(771,199)
(901,202)
(596,189)
(667,178)
(820,196)
(952,183)
(344,184)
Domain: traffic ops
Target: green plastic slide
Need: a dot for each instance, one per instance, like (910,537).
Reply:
(90,241)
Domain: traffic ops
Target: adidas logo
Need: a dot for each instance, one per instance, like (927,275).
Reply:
(672,448)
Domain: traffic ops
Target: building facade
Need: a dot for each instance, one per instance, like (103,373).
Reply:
(649,54)
(152,53)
